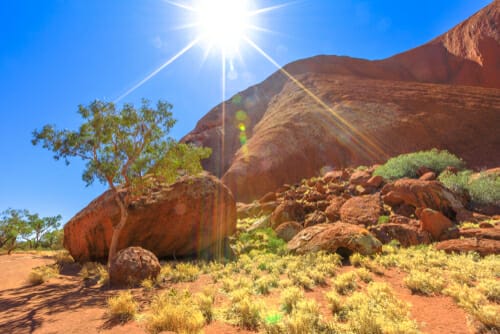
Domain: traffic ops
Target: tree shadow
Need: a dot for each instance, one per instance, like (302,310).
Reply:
(24,309)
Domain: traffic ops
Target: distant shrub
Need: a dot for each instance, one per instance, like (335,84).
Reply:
(122,307)
(40,275)
(483,189)
(261,240)
(406,165)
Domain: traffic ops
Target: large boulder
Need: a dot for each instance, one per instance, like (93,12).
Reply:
(481,246)
(413,194)
(407,235)
(193,216)
(132,265)
(337,237)
(361,210)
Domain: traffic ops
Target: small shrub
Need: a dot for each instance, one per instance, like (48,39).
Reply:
(424,282)
(334,301)
(378,310)
(383,220)
(264,284)
(174,311)
(483,189)
(40,275)
(63,257)
(490,288)
(356,259)
(304,318)
(364,275)
(345,283)
(185,272)
(148,284)
(406,165)
(122,307)
(244,311)
(94,271)
(205,302)
(290,297)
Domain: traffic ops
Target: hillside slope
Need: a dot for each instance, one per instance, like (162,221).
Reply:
(443,94)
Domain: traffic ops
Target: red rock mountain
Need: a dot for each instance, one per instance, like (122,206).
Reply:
(328,111)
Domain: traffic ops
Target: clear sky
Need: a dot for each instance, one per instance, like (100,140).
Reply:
(57,54)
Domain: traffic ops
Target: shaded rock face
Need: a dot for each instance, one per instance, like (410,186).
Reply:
(288,230)
(335,237)
(407,235)
(482,246)
(287,211)
(362,210)
(413,194)
(442,93)
(189,217)
(132,265)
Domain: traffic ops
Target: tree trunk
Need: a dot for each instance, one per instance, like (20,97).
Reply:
(118,228)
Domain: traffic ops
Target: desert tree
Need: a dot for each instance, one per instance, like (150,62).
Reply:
(124,148)
(13,224)
(39,226)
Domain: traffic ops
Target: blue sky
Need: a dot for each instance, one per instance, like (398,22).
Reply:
(57,54)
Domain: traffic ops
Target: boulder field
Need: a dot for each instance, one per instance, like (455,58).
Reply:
(342,212)
(193,216)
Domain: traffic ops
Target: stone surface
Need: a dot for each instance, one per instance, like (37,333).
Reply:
(407,235)
(337,237)
(429,176)
(361,210)
(481,233)
(132,265)
(333,210)
(482,246)
(193,215)
(315,218)
(413,194)
(434,222)
(376,110)
(288,230)
(287,211)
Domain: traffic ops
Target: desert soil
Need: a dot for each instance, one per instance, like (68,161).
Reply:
(65,305)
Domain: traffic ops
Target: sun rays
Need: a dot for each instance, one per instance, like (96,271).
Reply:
(226,26)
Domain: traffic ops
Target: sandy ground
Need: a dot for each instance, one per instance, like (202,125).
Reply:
(65,305)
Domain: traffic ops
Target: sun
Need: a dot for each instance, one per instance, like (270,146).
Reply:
(223,23)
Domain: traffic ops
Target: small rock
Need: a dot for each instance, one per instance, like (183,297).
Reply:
(429,176)
(131,266)
(287,211)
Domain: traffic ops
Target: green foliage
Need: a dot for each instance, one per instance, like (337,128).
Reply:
(482,188)
(260,241)
(383,220)
(406,165)
(122,146)
(15,224)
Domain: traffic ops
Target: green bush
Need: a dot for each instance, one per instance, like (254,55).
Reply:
(483,189)
(406,165)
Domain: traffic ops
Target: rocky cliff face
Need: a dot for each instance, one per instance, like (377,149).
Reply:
(444,94)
